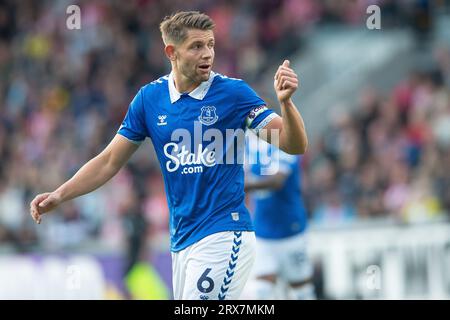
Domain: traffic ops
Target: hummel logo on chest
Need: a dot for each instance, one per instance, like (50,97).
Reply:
(162,120)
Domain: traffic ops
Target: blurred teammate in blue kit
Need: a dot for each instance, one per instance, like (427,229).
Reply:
(188,115)
(273,178)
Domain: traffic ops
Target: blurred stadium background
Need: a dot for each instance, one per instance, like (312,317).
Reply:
(376,176)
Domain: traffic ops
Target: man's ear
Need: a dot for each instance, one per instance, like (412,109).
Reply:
(170,52)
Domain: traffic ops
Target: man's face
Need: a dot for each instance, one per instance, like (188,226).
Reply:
(195,55)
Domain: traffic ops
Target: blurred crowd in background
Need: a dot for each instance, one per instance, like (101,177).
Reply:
(64,93)
(388,159)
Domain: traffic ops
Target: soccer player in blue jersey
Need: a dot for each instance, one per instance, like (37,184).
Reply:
(273,178)
(193,117)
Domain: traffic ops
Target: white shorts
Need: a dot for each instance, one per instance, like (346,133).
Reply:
(215,268)
(287,258)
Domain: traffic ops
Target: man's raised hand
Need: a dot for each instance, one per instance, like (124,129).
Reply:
(285,82)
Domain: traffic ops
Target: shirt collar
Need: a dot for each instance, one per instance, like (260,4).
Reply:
(198,93)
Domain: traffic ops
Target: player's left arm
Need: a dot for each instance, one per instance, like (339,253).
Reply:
(290,126)
(269,182)
(281,168)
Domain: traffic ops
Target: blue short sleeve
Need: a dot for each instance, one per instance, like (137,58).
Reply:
(279,161)
(133,126)
(251,108)
(287,162)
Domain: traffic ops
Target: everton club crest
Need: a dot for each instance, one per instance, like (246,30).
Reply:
(208,115)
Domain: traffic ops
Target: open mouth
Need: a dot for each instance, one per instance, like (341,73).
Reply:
(204,67)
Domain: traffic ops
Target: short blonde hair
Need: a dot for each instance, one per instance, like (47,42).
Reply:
(174,28)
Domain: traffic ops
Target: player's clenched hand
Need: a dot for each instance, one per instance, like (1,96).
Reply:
(285,82)
(43,203)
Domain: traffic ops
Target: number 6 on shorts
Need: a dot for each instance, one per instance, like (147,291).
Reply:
(204,277)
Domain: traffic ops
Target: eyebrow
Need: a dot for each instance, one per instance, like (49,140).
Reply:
(202,41)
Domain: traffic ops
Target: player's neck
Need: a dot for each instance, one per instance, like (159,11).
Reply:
(183,84)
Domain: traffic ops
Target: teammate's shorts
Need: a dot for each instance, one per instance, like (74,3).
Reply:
(287,258)
(215,268)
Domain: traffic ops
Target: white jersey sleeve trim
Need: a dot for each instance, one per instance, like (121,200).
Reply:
(265,122)
(132,141)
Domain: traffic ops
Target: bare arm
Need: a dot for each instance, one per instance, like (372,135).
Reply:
(272,182)
(290,126)
(91,176)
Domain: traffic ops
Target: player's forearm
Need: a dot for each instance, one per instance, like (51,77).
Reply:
(91,176)
(273,182)
(293,138)
(256,185)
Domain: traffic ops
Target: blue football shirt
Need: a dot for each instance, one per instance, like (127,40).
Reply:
(197,138)
(277,213)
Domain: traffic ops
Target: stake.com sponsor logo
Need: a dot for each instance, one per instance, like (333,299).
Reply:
(219,150)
